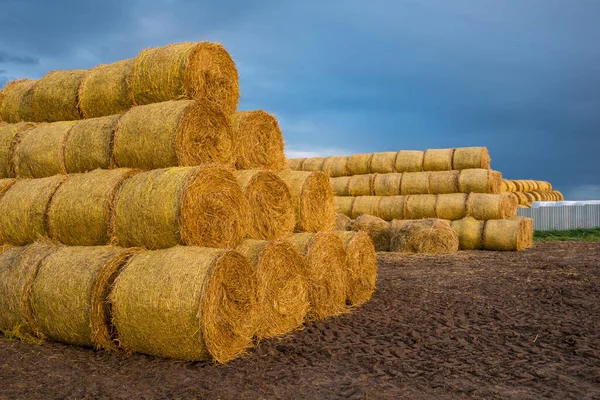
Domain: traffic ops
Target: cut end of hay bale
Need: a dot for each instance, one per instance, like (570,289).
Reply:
(361,267)
(438,160)
(89,144)
(258,141)
(511,234)
(470,233)
(471,157)
(429,236)
(15,104)
(377,229)
(55,96)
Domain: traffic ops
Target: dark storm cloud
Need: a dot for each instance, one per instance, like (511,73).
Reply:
(7,58)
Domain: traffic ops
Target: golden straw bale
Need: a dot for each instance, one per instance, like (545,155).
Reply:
(359,164)
(295,164)
(536,195)
(391,207)
(271,205)
(505,187)
(39,152)
(377,229)
(512,234)
(451,206)
(172,133)
(383,163)
(470,233)
(9,136)
(257,140)
(480,181)
(438,160)
(69,297)
(430,236)
(186,302)
(518,185)
(361,267)
(336,166)
(491,206)
(559,195)
(199,70)
(341,185)
(23,209)
(530,197)
(548,186)
(387,184)
(56,96)
(15,105)
(471,157)
(522,199)
(80,210)
(415,183)
(409,161)
(365,205)
(5,184)
(443,182)
(421,206)
(104,89)
(197,206)
(281,286)
(314,164)
(313,200)
(342,222)
(343,205)
(361,185)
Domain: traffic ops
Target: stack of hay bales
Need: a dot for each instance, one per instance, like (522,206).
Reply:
(140,211)
(526,192)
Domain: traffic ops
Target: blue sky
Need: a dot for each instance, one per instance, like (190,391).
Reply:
(521,77)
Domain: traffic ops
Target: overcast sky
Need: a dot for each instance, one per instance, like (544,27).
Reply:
(521,77)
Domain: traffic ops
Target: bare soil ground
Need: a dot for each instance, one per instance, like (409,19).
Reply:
(476,324)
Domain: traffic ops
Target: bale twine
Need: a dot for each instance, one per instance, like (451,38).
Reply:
(104,90)
(39,152)
(342,222)
(471,157)
(199,70)
(361,185)
(80,211)
(361,267)
(451,206)
(314,164)
(387,184)
(23,209)
(409,161)
(438,160)
(359,164)
(55,96)
(257,141)
(281,287)
(444,182)
(325,271)
(480,181)
(271,206)
(391,207)
(365,205)
(295,164)
(9,135)
(89,144)
(313,200)
(336,166)
(69,297)
(377,229)
(421,206)
(512,234)
(383,163)
(172,133)
(431,236)
(491,206)
(15,105)
(343,205)
(198,206)
(415,183)
(470,233)
(190,303)
(341,185)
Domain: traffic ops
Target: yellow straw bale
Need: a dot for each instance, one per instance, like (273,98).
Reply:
(421,206)
(361,267)
(295,164)
(451,206)
(377,229)
(470,233)
(391,207)
(438,160)
(336,166)
(341,185)
(415,183)
(491,206)
(56,96)
(365,205)
(470,158)
(344,205)
(15,105)
(257,139)
(409,161)
(314,164)
(361,185)
(383,163)
(387,184)
(480,181)
(443,182)
(342,222)
(430,236)
(359,164)
(512,234)
(9,135)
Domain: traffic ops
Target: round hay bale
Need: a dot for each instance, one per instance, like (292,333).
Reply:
(536,195)
(518,185)
(491,206)
(480,181)
(359,164)
(336,166)
(18,269)
(438,160)
(173,133)
(512,234)
(444,182)
(383,163)
(89,144)
(365,205)
(391,207)
(415,183)
(409,161)
(341,185)
(314,164)
(470,158)
(15,105)
(548,186)
(377,229)
(343,205)
(9,136)
(523,199)
(421,206)
(199,70)
(190,303)
(39,152)
(387,184)
(271,206)
(257,141)
(325,271)
(104,89)
(361,185)
(505,187)
(313,200)
(361,267)
(559,195)
(530,197)
(342,222)
(470,233)
(197,206)
(281,287)
(431,236)
(56,96)
(69,297)
(80,211)
(295,164)
(451,206)
(23,209)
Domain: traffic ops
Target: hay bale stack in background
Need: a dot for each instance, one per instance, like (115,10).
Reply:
(104,89)
(361,267)
(341,185)
(376,228)
(344,205)
(471,157)
(415,183)
(508,234)
(359,164)
(295,164)
(387,184)
(80,211)
(342,222)
(271,206)
(360,185)
(15,105)
(198,70)
(69,297)
(491,206)
(173,133)
(480,181)
(199,206)
(438,160)
(444,182)
(391,207)
(23,209)
(335,166)
(56,96)
(470,233)
(9,134)
(258,141)
(383,163)
(190,303)
(421,206)
(313,200)
(314,164)
(451,206)
(409,161)
(424,236)
(281,287)
(365,205)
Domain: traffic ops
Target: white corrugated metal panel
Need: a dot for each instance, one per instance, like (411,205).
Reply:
(562,218)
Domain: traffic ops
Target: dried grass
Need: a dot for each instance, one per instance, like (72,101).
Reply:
(387,184)
(361,267)
(336,166)
(480,181)
(444,182)
(409,161)
(383,163)
(361,185)
(257,140)
(451,206)
(377,229)
(365,205)
(415,183)
(342,221)
(421,206)
(56,96)
(89,144)
(295,164)
(438,160)
(471,157)
(359,164)
(341,185)
(431,236)
(491,206)
(344,205)
(470,233)
(314,164)
(9,135)
(392,207)
(15,105)
(512,234)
